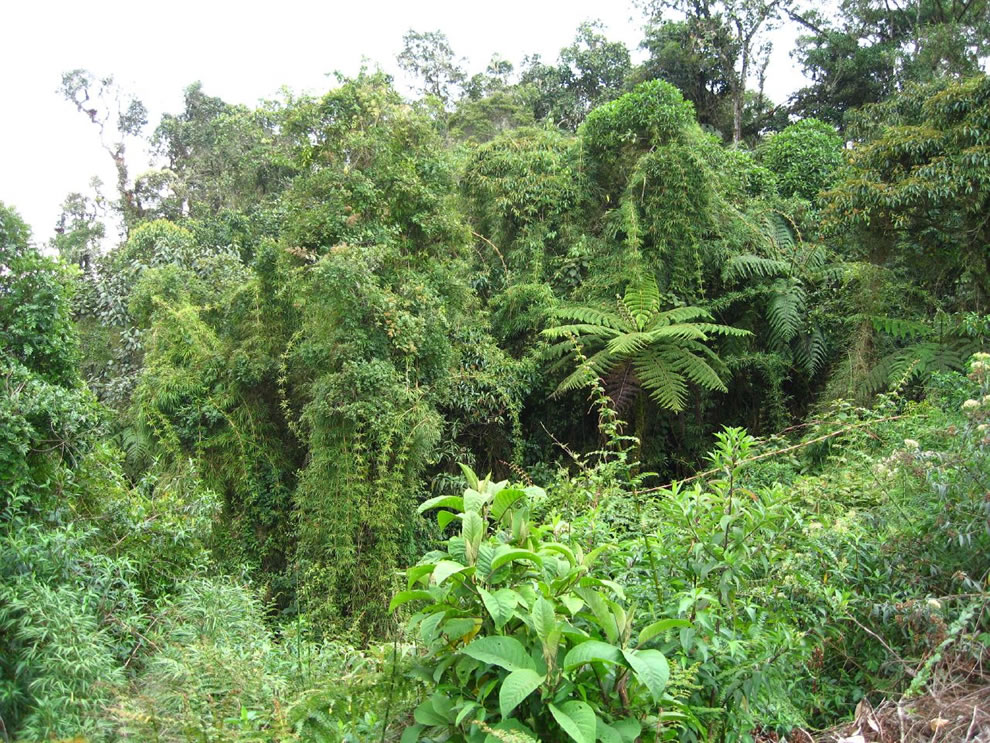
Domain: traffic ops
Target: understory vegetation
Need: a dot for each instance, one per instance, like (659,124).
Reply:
(593,402)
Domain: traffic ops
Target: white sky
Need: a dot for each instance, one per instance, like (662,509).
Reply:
(242,52)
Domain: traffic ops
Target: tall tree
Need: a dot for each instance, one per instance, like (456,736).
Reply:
(747,44)
(119,117)
(590,71)
(428,57)
(868,48)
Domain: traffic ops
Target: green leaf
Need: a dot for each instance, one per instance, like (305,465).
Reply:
(473,530)
(416,572)
(561,549)
(628,728)
(544,619)
(445,517)
(573,603)
(411,734)
(651,668)
(486,553)
(404,597)
(425,714)
(535,492)
(606,733)
(500,605)
(516,687)
(596,602)
(504,500)
(506,652)
(467,710)
(472,479)
(577,719)
(442,501)
(445,569)
(592,651)
(474,500)
(660,627)
(511,555)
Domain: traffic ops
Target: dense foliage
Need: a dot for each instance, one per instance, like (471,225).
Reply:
(530,410)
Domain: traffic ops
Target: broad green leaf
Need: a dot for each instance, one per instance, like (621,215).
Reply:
(592,651)
(577,719)
(416,572)
(660,627)
(573,603)
(516,687)
(425,714)
(535,492)
(590,558)
(473,530)
(428,627)
(465,711)
(442,501)
(651,668)
(504,500)
(472,479)
(474,501)
(460,627)
(445,517)
(506,652)
(486,553)
(500,605)
(544,619)
(561,549)
(404,597)
(606,733)
(606,620)
(445,569)
(629,728)
(411,734)
(511,555)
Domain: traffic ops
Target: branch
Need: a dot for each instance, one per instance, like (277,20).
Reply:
(805,22)
(774,453)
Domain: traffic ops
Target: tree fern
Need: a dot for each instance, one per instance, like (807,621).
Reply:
(641,346)
(784,271)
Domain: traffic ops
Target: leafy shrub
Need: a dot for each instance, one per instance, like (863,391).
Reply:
(523,636)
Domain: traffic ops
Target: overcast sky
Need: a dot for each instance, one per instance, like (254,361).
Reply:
(242,52)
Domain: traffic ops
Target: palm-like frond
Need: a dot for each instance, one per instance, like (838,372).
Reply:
(748,265)
(811,352)
(779,231)
(667,388)
(592,316)
(786,311)
(642,347)
(916,361)
(642,300)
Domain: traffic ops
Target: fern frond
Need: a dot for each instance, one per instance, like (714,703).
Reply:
(749,265)
(642,300)
(591,316)
(667,388)
(695,368)
(628,344)
(594,367)
(900,328)
(680,314)
(786,311)
(580,331)
(811,352)
(779,231)
(680,331)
